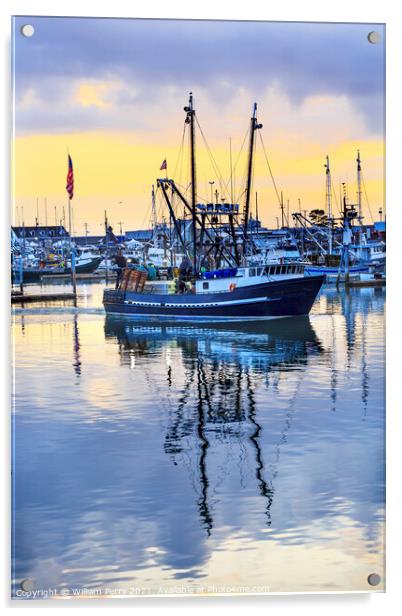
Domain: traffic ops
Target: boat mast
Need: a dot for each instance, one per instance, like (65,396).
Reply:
(190,120)
(253,127)
(153,216)
(359,186)
(359,195)
(329,204)
(282,211)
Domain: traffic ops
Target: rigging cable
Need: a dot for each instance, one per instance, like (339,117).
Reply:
(336,198)
(212,159)
(270,171)
(236,163)
(365,194)
(180,154)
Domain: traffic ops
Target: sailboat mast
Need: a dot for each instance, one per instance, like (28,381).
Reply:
(329,203)
(359,187)
(253,127)
(190,120)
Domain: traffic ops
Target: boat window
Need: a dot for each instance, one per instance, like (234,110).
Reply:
(259,271)
(240,272)
(252,271)
(205,285)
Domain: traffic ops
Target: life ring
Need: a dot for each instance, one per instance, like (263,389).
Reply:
(232,286)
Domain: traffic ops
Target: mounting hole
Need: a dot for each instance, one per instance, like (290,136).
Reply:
(374,579)
(27,30)
(27,585)
(373,37)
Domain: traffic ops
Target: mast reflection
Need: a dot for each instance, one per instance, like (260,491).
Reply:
(221,367)
(76,347)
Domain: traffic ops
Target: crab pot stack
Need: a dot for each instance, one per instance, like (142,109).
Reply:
(132,280)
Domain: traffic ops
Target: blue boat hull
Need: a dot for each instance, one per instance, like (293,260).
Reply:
(269,300)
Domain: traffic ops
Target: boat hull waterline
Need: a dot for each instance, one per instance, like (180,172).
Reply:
(270,300)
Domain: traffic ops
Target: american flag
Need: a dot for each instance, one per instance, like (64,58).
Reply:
(70,178)
(163,165)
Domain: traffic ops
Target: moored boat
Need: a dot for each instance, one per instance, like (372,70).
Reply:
(237,291)
(35,274)
(243,294)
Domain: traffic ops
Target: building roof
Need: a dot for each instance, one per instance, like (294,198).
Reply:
(40,232)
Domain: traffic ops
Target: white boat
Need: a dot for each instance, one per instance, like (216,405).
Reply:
(370,252)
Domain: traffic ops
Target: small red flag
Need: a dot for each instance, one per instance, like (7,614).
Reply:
(163,165)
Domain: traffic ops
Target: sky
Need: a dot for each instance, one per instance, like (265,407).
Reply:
(111,92)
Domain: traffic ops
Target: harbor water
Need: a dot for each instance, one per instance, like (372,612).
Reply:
(164,459)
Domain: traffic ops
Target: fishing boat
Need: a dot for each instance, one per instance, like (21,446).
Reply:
(232,292)
(369,252)
(36,273)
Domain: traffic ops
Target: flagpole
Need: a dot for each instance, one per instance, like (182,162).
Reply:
(69,221)
(72,252)
(72,249)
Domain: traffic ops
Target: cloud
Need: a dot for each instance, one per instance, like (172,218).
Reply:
(157,61)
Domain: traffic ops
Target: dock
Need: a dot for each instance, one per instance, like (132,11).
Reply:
(374,282)
(88,277)
(25,298)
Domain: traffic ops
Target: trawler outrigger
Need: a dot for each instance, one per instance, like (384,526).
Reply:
(236,291)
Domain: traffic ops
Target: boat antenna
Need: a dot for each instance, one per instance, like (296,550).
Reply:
(253,127)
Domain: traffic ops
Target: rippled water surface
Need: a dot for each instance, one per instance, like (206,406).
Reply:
(154,459)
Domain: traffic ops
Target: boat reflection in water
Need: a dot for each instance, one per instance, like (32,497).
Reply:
(223,367)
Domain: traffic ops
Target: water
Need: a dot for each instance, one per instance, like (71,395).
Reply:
(178,459)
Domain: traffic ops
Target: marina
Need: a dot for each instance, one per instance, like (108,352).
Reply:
(223,265)
(215,362)
(198,298)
